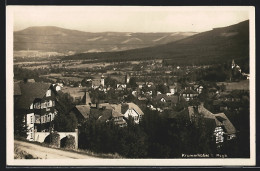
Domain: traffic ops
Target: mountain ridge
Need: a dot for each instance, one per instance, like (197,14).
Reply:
(52,38)
(219,44)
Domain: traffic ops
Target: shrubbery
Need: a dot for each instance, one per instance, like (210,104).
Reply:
(68,142)
(53,140)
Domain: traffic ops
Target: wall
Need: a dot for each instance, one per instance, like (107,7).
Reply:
(40,136)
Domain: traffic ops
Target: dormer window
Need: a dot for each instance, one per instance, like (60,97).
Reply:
(48,93)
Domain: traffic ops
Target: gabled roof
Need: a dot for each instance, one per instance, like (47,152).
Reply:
(229,127)
(30,92)
(220,119)
(17,90)
(96,113)
(84,110)
(106,114)
(135,107)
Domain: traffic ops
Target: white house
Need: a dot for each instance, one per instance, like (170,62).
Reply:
(132,110)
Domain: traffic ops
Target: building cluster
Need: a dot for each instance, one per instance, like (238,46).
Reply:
(38,103)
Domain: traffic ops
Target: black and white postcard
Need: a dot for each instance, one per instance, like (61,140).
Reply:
(130,85)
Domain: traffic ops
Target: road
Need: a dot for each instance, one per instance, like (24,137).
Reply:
(49,153)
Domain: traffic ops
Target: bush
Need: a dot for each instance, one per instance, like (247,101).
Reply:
(53,140)
(68,142)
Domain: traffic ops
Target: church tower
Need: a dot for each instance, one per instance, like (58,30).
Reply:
(102,81)
(127,78)
(233,64)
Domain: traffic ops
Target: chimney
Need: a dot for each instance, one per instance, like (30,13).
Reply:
(88,100)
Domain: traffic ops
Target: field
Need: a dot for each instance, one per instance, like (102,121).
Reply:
(242,85)
(75,92)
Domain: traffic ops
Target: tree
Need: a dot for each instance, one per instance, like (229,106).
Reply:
(64,120)
(132,82)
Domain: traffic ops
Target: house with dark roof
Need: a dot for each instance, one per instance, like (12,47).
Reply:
(188,94)
(98,83)
(103,112)
(198,88)
(164,100)
(224,129)
(37,102)
(82,112)
(174,88)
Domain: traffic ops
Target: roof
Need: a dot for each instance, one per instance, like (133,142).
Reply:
(230,129)
(105,114)
(140,83)
(220,119)
(31,91)
(188,91)
(135,107)
(173,99)
(116,114)
(17,90)
(106,105)
(116,107)
(84,110)
(31,80)
(96,82)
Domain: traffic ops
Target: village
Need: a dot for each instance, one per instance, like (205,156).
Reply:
(125,95)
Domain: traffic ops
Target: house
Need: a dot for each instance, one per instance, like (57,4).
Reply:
(198,88)
(167,99)
(98,83)
(118,119)
(188,94)
(82,113)
(224,129)
(120,86)
(132,110)
(37,102)
(140,84)
(173,89)
(149,84)
(110,112)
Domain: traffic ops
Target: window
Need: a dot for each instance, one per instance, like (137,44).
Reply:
(43,105)
(49,103)
(48,93)
(38,105)
(31,119)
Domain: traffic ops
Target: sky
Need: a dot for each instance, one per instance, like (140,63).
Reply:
(127,19)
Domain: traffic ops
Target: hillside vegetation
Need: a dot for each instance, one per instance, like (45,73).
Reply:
(55,39)
(214,46)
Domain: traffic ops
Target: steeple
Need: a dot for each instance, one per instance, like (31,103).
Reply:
(102,81)
(233,64)
(127,78)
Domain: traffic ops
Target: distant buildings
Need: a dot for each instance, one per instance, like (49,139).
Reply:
(106,112)
(188,94)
